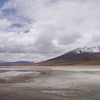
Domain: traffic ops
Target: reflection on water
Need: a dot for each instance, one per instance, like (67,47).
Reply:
(14,73)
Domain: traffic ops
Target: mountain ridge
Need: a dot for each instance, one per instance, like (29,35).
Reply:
(86,50)
(14,63)
(78,56)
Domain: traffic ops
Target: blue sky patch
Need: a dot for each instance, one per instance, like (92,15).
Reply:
(9,11)
(2,2)
(26,31)
(16,25)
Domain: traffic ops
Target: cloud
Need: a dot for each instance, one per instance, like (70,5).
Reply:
(4,24)
(68,38)
(94,40)
(41,29)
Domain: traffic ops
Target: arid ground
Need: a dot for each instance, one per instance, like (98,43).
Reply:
(50,83)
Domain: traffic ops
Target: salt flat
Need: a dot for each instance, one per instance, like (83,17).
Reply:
(50,83)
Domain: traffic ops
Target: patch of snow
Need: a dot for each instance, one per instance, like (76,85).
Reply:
(86,49)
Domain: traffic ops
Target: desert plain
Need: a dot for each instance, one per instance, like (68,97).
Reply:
(50,82)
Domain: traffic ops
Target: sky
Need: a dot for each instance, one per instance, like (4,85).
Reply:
(37,30)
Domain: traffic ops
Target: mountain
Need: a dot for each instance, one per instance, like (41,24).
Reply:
(86,50)
(20,62)
(79,56)
(14,63)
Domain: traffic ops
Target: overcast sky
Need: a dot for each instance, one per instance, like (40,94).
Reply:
(36,30)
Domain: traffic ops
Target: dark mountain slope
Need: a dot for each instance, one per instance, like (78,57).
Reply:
(80,56)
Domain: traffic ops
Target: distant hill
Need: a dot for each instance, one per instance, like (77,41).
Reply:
(20,62)
(79,56)
(15,63)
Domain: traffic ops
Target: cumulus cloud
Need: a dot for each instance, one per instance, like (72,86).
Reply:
(37,30)
(4,24)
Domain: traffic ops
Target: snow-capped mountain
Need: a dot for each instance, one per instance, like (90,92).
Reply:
(86,50)
(79,56)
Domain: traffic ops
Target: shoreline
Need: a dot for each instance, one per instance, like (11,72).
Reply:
(79,68)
